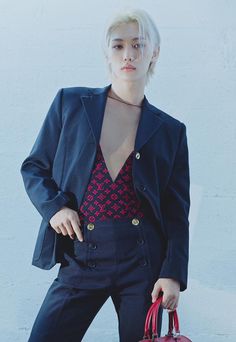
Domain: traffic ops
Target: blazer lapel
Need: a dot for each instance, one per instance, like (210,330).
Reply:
(94,105)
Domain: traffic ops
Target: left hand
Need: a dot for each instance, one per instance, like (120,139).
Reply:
(170,288)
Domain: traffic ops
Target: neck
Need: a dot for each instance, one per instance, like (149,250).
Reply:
(130,92)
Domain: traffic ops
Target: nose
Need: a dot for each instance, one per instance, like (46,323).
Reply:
(129,54)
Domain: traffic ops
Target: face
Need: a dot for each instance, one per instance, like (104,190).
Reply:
(124,49)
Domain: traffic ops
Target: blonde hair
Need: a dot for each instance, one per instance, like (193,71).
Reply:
(146,27)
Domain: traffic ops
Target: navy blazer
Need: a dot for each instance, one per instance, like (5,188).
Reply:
(57,170)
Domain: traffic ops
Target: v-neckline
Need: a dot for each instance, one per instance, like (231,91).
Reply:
(113,182)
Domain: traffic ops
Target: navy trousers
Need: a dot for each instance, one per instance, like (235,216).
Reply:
(120,259)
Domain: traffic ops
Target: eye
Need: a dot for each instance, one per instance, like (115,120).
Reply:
(139,44)
(115,46)
(120,46)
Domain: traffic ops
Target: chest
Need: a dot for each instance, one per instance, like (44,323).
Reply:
(118,133)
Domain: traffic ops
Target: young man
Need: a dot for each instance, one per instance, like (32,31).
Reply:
(109,174)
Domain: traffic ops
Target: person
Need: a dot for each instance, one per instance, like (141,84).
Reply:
(109,174)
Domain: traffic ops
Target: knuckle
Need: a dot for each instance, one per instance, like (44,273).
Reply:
(72,214)
(74,220)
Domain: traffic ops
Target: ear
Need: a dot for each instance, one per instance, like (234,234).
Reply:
(108,61)
(155,54)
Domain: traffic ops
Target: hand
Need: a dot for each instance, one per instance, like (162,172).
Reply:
(170,288)
(66,221)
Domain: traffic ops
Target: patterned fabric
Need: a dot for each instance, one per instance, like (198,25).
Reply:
(105,199)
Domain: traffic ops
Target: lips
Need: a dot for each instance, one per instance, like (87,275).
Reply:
(128,67)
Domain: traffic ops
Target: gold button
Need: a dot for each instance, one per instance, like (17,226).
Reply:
(135,221)
(137,155)
(90,226)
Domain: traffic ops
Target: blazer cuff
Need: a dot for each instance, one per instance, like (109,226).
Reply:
(170,269)
(52,206)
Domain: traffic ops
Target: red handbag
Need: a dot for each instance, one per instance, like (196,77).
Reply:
(150,328)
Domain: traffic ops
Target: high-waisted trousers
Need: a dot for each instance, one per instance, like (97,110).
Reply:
(120,259)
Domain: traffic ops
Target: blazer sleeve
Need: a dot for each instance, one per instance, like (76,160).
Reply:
(175,210)
(36,169)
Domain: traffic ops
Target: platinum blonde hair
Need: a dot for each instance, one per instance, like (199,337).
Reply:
(146,28)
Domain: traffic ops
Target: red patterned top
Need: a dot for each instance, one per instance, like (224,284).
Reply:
(105,199)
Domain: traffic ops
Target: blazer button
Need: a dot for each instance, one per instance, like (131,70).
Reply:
(142,188)
(137,155)
(135,221)
(90,226)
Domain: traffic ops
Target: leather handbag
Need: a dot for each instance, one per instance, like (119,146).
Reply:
(150,328)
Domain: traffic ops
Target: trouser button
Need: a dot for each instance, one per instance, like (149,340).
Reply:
(92,245)
(91,264)
(140,241)
(143,262)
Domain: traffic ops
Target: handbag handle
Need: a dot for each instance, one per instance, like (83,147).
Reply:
(173,320)
(152,314)
(154,306)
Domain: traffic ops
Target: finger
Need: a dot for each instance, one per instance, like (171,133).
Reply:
(69,229)
(155,293)
(75,224)
(170,300)
(166,302)
(172,305)
(63,229)
(58,230)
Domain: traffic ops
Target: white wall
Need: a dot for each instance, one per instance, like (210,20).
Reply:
(46,45)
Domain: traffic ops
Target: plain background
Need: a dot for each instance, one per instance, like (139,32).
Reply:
(47,45)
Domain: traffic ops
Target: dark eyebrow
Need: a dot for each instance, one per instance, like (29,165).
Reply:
(121,40)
